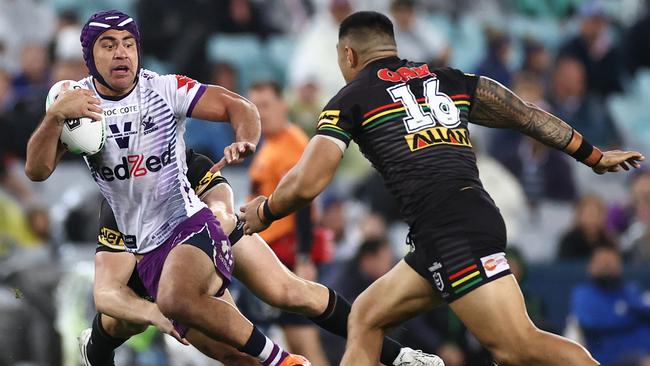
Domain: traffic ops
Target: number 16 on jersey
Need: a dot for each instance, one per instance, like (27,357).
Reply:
(435,107)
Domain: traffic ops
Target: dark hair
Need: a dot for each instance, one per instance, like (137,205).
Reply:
(366,21)
(270,84)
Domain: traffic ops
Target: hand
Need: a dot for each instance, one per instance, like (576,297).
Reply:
(613,161)
(75,103)
(306,269)
(252,216)
(235,153)
(165,325)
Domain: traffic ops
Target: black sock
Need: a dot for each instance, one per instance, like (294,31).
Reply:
(335,320)
(237,233)
(101,345)
(264,349)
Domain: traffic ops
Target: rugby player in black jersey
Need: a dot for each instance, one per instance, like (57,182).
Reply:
(124,307)
(411,122)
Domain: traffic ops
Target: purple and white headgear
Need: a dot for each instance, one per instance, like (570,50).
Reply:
(99,23)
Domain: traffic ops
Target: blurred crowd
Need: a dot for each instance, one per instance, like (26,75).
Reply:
(587,62)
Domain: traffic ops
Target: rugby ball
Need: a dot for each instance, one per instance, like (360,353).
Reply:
(83,136)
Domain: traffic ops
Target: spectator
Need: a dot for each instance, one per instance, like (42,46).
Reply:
(570,100)
(595,50)
(636,44)
(611,311)
(544,173)
(495,63)
(417,39)
(637,237)
(588,232)
(536,59)
(243,16)
(33,79)
(314,60)
(305,106)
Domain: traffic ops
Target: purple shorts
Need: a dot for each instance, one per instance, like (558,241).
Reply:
(203,231)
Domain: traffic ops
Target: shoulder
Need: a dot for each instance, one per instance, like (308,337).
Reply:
(348,96)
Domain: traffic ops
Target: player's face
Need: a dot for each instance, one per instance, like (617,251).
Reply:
(273,110)
(116,58)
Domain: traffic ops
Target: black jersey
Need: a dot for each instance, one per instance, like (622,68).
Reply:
(411,123)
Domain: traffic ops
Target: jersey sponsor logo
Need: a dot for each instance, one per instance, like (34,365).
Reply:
(330,116)
(404,74)
(111,238)
(182,81)
(121,137)
(438,136)
(149,125)
(121,111)
(495,264)
(436,266)
(134,166)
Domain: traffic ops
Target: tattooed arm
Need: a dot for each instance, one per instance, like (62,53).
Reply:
(496,106)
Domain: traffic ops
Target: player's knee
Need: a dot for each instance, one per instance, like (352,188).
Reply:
(362,314)
(518,348)
(174,305)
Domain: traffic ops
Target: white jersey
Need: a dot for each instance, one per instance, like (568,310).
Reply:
(141,169)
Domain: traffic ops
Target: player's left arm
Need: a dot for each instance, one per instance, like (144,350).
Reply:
(306,180)
(494,105)
(221,104)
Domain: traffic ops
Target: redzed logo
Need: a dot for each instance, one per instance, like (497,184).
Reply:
(134,166)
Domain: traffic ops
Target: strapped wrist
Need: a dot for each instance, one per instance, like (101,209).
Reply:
(268,214)
(581,150)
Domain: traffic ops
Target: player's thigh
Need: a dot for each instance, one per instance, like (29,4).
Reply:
(220,197)
(495,313)
(187,272)
(396,296)
(259,269)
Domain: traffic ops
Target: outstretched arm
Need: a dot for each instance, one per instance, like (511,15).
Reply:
(220,104)
(298,187)
(496,106)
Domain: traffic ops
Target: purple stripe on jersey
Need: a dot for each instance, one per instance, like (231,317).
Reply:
(155,107)
(274,353)
(149,91)
(164,114)
(197,96)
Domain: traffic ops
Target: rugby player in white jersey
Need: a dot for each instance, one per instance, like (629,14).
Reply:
(141,173)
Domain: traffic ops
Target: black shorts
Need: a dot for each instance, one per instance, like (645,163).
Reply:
(459,245)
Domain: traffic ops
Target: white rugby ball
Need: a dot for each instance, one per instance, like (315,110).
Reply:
(83,136)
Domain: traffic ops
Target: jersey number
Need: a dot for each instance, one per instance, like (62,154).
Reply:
(442,109)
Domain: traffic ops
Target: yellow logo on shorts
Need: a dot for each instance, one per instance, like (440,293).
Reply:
(111,238)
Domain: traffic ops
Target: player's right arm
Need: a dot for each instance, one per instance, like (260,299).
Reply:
(44,151)
(494,105)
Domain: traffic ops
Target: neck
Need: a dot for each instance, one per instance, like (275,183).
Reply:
(376,55)
(104,90)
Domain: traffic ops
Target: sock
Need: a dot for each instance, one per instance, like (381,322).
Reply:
(264,349)
(101,345)
(335,320)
